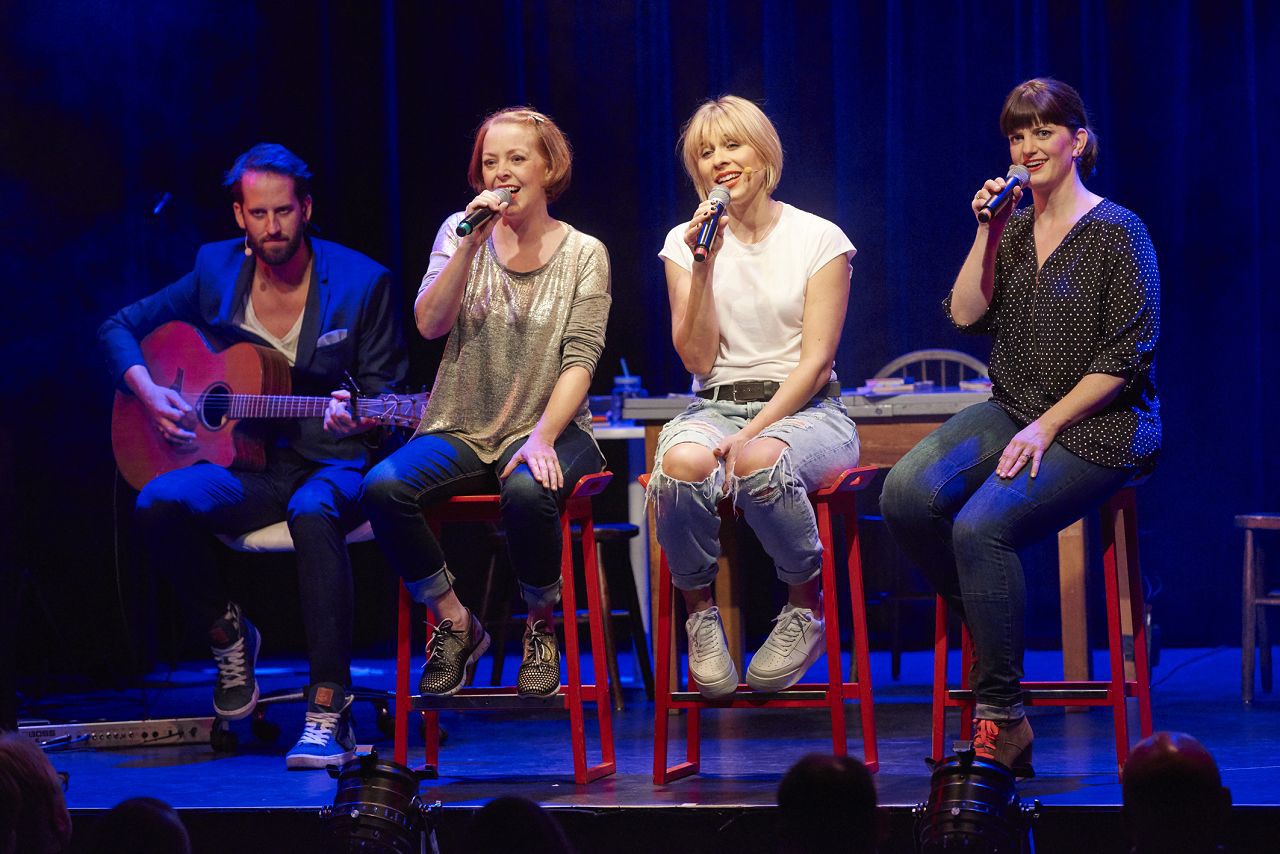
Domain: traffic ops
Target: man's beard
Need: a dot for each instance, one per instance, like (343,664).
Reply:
(276,253)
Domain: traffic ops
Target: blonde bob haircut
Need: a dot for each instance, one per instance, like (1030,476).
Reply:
(735,118)
(553,145)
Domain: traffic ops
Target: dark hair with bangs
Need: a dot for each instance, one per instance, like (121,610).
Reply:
(269,157)
(1043,100)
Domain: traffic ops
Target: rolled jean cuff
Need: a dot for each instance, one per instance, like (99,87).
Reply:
(802,576)
(695,580)
(541,597)
(427,590)
(988,712)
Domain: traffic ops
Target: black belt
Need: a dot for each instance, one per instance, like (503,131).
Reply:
(757,391)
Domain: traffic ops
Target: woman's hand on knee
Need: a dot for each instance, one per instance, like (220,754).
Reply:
(727,452)
(1028,446)
(540,457)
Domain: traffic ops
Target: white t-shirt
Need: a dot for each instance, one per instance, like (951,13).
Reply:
(288,345)
(759,293)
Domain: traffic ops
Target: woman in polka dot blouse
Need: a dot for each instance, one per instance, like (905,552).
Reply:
(1070,291)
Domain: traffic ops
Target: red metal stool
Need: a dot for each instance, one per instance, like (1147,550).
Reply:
(1120,559)
(838,498)
(574,694)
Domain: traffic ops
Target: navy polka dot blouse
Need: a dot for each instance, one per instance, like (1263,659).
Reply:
(1094,307)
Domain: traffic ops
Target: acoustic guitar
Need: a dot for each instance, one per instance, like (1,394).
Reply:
(224,387)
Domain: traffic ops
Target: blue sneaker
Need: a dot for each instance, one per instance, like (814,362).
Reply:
(234,643)
(327,738)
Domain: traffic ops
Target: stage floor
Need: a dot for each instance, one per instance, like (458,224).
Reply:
(744,753)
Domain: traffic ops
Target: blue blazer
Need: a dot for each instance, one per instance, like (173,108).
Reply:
(351,324)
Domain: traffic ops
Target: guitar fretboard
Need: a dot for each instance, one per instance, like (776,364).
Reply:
(288,406)
(275,406)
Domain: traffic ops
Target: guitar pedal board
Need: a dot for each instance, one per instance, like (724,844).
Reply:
(112,735)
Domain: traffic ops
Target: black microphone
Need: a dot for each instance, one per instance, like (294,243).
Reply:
(719,196)
(1018,177)
(480,216)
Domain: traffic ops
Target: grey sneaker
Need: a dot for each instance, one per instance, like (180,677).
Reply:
(234,642)
(710,664)
(451,657)
(797,640)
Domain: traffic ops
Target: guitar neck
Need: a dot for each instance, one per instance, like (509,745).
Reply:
(289,406)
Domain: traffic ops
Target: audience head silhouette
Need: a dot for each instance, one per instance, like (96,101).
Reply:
(1174,799)
(515,824)
(828,803)
(33,812)
(141,826)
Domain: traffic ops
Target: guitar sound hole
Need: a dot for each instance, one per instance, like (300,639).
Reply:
(213,407)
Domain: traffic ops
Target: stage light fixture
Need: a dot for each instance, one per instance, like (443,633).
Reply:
(974,806)
(377,809)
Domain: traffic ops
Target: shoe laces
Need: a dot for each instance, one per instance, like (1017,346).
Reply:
(319,727)
(791,627)
(232,672)
(444,632)
(985,738)
(539,648)
(706,634)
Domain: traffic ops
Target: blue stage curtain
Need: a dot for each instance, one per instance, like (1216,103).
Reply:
(887,111)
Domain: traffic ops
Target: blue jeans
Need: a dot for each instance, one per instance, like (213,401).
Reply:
(963,527)
(821,442)
(436,466)
(179,511)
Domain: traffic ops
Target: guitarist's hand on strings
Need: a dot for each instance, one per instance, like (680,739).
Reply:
(172,416)
(338,420)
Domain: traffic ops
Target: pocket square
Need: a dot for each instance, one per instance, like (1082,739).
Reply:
(330,338)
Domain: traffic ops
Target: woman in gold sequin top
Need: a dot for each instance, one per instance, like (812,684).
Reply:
(524,299)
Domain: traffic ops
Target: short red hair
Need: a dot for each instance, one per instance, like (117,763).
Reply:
(552,143)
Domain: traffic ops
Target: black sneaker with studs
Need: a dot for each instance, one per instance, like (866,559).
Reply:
(540,666)
(451,657)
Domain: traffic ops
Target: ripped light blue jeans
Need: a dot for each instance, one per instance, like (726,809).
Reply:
(821,442)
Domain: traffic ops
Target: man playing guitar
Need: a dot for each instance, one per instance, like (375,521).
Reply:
(333,314)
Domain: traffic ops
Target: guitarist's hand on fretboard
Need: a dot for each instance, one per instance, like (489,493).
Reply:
(338,420)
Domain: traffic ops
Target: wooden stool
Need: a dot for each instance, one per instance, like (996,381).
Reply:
(1255,597)
(1120,567)
(574,694)
(834,499)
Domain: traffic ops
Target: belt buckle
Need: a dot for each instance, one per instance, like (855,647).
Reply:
(748,391)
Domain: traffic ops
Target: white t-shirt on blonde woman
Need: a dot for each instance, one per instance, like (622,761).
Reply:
(759,291)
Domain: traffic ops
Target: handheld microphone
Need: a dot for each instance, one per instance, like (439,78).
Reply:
(480,216)
(720,197)
(1018,177)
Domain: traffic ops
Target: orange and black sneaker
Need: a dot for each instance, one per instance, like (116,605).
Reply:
(1006,742)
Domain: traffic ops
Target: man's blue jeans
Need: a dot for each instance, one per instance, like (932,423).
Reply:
(178,511)
(963,526)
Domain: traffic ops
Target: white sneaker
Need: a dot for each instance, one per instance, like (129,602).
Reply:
(797,640)
(709,661)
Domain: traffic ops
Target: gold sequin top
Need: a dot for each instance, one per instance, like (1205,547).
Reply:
(514,335)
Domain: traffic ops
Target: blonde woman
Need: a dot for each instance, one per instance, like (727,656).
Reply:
(757,324)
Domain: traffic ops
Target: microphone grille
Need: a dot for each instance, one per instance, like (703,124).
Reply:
(1019,172)
(504,195)
(719,194)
